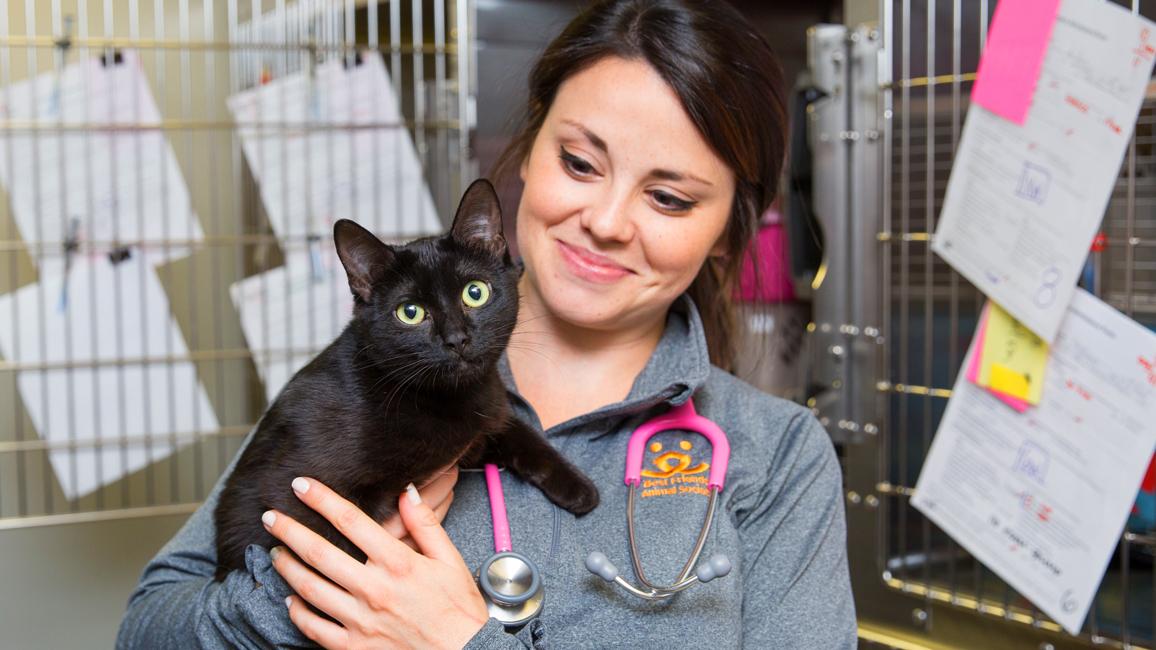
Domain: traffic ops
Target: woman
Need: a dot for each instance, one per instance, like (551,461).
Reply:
(653,141)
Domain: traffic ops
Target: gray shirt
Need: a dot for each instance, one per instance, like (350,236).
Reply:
(780,522)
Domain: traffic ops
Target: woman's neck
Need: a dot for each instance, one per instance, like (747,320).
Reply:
(564,370)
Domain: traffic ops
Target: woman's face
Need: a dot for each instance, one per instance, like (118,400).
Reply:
(623,200)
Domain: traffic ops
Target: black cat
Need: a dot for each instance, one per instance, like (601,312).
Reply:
(409,387)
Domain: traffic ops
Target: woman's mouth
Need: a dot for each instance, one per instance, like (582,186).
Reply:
(591,266)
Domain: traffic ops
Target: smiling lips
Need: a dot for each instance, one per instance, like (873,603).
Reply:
(591,266)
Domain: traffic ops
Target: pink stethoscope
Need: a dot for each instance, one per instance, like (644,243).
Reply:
(512,585)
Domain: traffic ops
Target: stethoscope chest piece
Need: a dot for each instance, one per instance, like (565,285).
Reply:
(511,587)
(509,581)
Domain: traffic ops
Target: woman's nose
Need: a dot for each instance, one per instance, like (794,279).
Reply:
(611,220)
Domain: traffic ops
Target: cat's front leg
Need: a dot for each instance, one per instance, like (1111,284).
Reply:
(527,454)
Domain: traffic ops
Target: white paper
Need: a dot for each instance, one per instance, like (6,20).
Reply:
(117,185)
(113,312)
(292,312)
(1023,203)
(313,175)
(1041,497)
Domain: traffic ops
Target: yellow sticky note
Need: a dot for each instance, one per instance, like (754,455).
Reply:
(1020,355)
(1009,382)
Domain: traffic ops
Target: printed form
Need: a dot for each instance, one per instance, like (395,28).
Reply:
(1024,202)
(1041,497)
(115,180)
(333,145)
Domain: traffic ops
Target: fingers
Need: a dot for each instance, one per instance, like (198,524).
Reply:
(322,593)
(424,526)
(326,634)
(314,549)
(438,492)
(442,486)
(349,520)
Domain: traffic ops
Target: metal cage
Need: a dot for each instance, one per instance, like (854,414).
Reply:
(216,347)
(888,343)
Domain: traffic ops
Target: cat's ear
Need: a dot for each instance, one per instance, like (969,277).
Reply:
(478,222)
(364,256)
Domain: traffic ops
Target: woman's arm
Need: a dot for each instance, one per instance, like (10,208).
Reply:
(793,532)
(176,602)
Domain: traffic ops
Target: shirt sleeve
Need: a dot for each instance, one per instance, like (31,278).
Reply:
(177,604)
(793,534)
(493,636)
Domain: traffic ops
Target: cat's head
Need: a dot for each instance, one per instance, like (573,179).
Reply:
(438,310)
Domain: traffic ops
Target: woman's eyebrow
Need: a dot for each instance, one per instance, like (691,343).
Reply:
(663,174)
(668,175)
(594,139)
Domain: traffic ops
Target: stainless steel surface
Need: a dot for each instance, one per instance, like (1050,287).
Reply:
(510,577)
(911,580)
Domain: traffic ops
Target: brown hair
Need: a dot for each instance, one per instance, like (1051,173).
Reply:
(731,87)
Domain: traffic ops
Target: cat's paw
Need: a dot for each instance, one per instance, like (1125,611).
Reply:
(575,494)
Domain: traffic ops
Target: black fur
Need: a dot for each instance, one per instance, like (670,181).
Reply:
(388,404)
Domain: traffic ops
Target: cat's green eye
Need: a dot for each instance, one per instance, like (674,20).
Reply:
(476,293)
(409,313)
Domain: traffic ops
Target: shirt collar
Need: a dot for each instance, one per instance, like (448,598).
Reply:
(679,365)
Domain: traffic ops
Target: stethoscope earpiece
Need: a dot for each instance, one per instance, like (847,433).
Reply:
(716,566)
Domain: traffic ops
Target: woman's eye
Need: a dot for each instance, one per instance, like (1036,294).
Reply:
(671,202)
(575,164)
(476,293)
(410,313)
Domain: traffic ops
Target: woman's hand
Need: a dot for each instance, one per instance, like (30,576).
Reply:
(437,493)
(399,597)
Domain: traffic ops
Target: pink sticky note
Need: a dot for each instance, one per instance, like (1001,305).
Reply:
(973,368)
(1010,64)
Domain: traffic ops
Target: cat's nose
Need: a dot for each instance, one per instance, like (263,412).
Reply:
(457,342)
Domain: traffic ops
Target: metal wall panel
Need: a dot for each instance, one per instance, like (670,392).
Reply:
(913,584)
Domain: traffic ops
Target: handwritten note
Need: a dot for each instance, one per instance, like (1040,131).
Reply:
(1010,65)
(1024,202)
(1041,497)
(1013,358)
(332,145)
(117,311)
(973,365)
(113,183)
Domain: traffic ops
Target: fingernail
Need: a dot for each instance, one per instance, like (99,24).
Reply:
(274,553)
(269,517)
(288,601)
(300,485)
(411,492)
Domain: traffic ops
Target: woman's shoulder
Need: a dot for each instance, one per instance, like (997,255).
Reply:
(754,416)
(773,440)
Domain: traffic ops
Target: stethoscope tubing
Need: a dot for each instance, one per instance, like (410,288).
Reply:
(684,579)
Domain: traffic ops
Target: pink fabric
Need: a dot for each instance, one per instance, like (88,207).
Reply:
(1010,64)
(774,279)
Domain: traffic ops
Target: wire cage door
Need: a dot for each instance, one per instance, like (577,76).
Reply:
(171,172)
(895,97)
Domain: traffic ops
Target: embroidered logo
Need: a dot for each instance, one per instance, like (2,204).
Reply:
(674,472)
